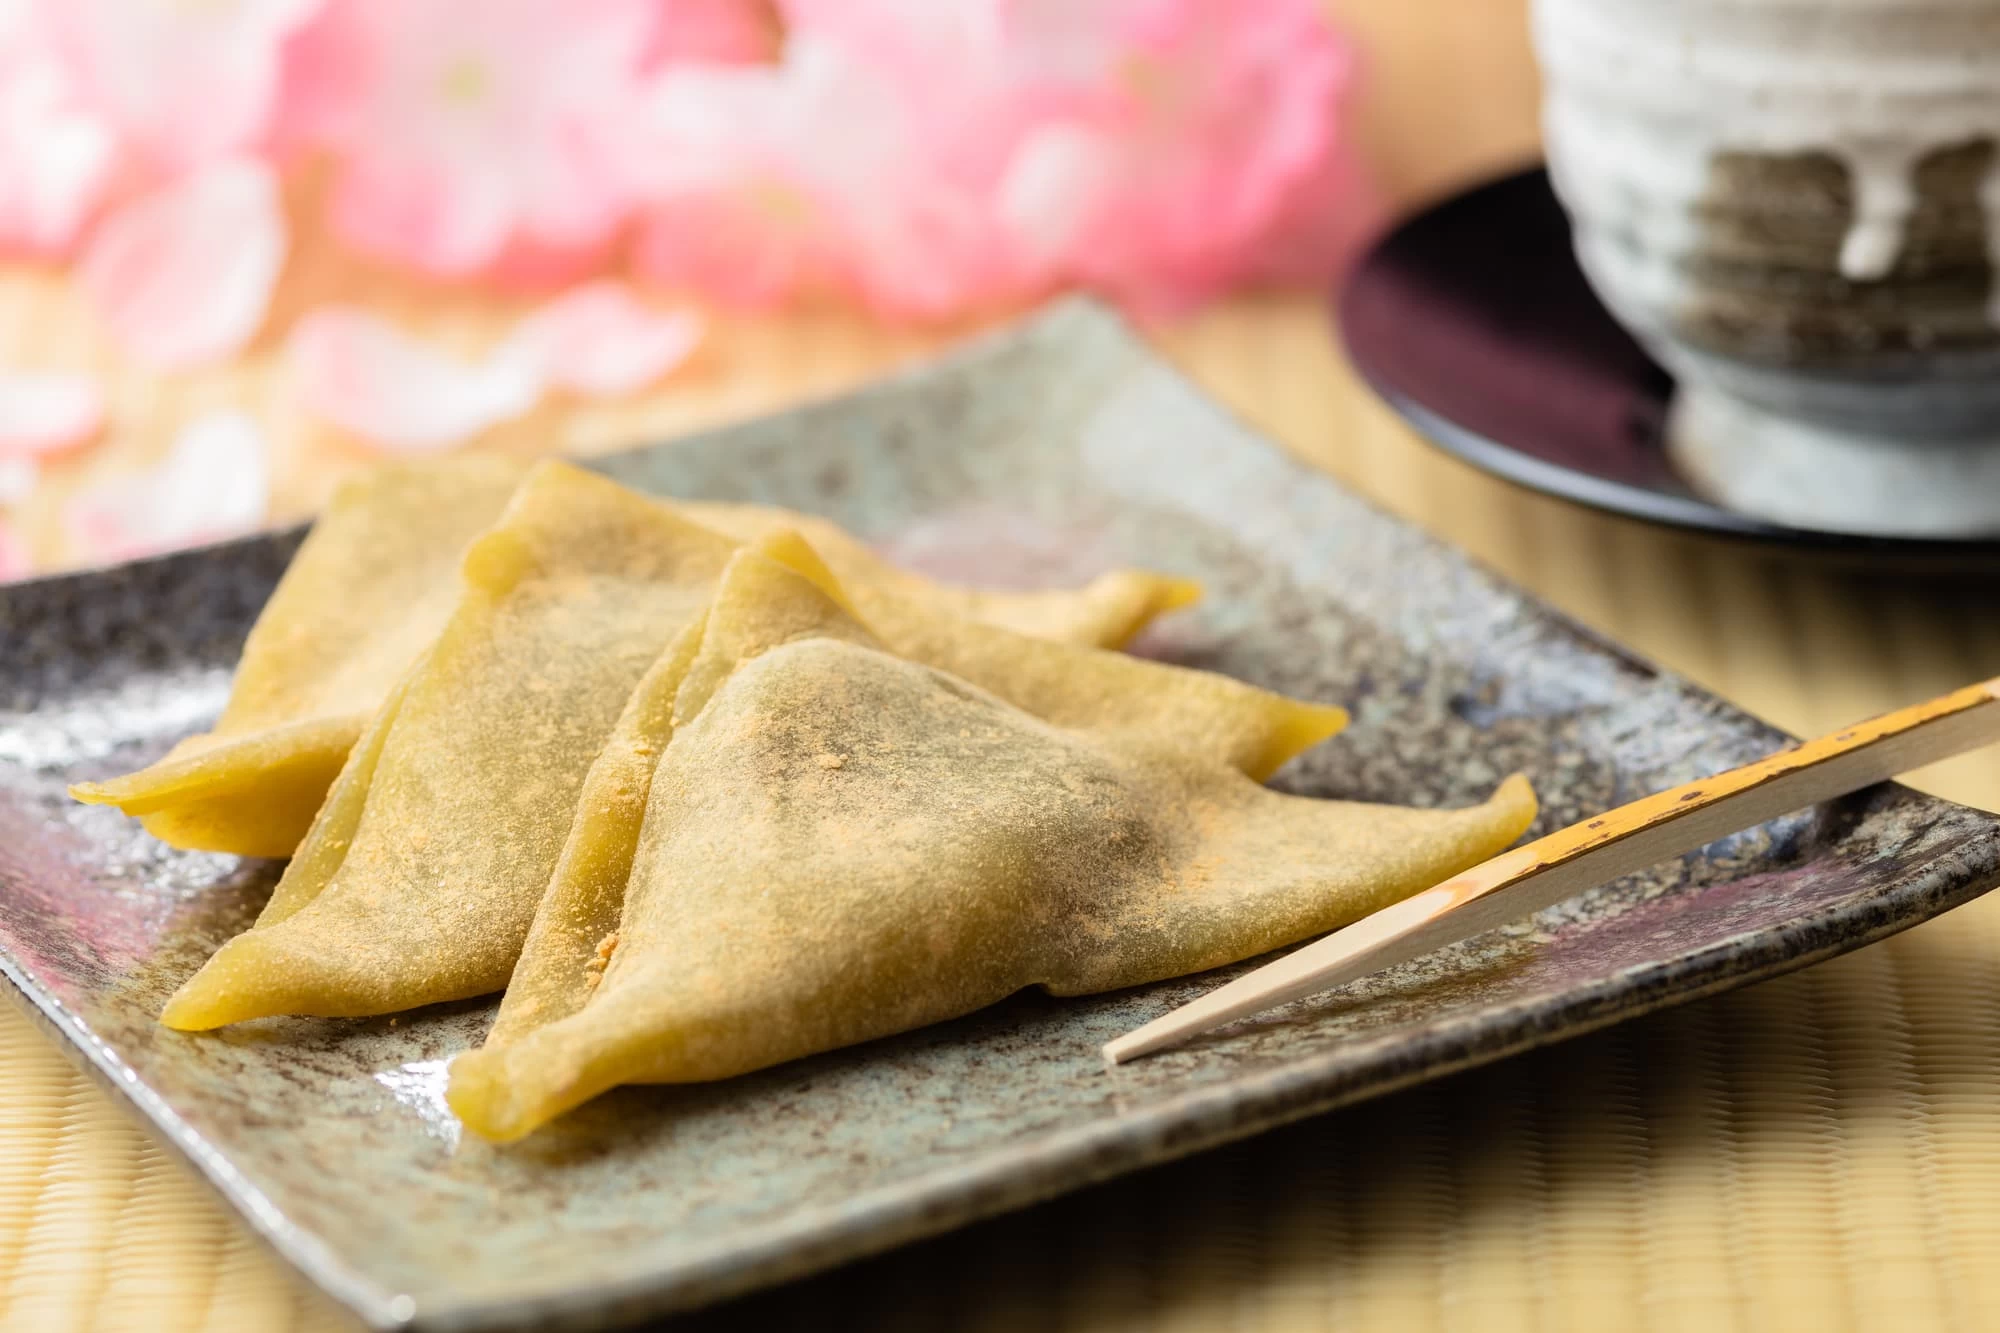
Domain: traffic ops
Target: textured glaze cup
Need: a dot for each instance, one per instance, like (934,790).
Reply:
(1796,205)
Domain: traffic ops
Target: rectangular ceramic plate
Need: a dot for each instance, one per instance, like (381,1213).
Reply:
(1042,456)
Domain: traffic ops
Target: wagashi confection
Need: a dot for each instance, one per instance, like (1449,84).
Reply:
(840,843)
(780,591)
(367,592)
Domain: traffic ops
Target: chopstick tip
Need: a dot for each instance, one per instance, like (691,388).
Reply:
(1136,1043)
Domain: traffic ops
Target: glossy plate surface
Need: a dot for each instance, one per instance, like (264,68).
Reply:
(1042,455)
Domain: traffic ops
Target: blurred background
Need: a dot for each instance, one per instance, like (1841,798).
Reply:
(254,245)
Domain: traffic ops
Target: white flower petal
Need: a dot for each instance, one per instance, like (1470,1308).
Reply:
(44,412)
(183,276)
(18,475)
(365,375)
(600,340)
(214,483)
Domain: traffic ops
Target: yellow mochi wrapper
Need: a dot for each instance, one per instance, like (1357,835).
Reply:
(421,877)
(374,584)
(367,592)
(456,803)
(840,843)
(780,591)
(1105,613)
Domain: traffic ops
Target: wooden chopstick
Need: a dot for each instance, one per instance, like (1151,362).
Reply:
(1527,879)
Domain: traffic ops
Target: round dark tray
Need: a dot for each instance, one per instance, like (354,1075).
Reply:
(1473,321)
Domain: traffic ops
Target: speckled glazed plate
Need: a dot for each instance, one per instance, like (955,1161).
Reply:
(1046,454)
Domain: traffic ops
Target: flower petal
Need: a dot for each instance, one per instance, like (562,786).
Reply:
(185,82)
(714,32)
(60,153)
(600,340)
(183,276)
(362,373)
(47,412)
(473,126)
(214,483)
(18,476)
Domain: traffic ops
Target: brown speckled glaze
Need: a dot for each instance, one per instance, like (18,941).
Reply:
(1042,455)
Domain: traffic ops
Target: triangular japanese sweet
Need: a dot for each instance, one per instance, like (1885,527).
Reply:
(780,591)
(1105,613)
(372,943)
(368,591)
(419,879)
(841,843)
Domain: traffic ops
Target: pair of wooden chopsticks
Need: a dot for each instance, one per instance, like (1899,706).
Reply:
(1517,883)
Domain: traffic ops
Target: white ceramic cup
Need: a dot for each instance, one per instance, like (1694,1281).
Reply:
(1796,205)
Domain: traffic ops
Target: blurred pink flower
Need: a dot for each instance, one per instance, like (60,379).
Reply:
(934,158)
(946,58)
(927,158)
(214,483)
(403,395)
(59,153)
(714,32)
(183,82)
(809,175)
(182,276)
(461,126)
(526,268)
(600,341)
(735,216)
(1174,136)
(1322,226)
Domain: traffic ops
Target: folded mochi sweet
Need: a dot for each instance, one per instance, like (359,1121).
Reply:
(840,842)
(458,799)
(421,877)
(369,589)
(372,587)
(779,591)
(1105,613)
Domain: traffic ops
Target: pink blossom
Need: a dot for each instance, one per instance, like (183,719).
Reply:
(46,412)
(528,268)
(1174,138)
(185,83)
(59,153)
(182,276)
(472,124)
(403,395)
(990,149)
(214,483)
(1325,222)
(759,200)
(749,246)
(598,340)
(735,217)
(714,32)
